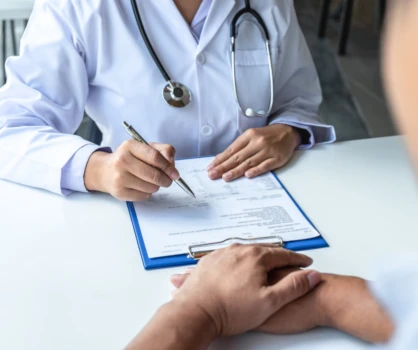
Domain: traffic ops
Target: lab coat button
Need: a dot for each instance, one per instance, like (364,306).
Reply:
(201,58)
(206,130)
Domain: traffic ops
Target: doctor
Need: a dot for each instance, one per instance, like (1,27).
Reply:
(166,68)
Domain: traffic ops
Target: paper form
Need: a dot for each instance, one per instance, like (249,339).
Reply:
(171,220)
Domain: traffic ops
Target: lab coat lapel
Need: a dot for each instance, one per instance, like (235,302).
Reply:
(172,15)
(218,13)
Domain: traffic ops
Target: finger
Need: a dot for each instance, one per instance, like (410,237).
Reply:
(178,279)
(235,160)
(135,183)
(147,173)
(278,274)
(246,165)
(234,148)
(292,287)
(168,151)
(277,258)
(154,158)
(129,195)
(266,166)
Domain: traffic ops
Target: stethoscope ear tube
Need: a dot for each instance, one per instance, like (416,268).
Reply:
(251,112)
(255,14)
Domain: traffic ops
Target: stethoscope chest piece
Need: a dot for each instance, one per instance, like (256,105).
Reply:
(177,95)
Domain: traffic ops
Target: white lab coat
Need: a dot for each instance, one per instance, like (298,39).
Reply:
(81,55)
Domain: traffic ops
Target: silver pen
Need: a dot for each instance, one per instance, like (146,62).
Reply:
(131,131)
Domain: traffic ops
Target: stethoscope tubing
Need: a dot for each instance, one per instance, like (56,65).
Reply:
(265,32)
(170,88)
(148,43)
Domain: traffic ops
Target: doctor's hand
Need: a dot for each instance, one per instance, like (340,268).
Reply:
(133,173)
(256,152)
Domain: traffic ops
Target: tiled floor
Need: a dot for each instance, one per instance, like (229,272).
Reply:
(361,69)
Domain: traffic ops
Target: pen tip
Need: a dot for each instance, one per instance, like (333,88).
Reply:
(125,124)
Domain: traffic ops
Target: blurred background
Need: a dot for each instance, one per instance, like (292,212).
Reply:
(344,37)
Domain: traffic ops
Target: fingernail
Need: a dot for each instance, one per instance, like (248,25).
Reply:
(213,174)
(227,176)
(174,174)
(172,159)
(314,277)
(210,167)
(249,174)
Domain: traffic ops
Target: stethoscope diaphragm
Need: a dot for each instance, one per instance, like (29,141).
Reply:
(177,95)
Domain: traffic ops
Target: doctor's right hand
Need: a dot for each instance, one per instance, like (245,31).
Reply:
(133,173)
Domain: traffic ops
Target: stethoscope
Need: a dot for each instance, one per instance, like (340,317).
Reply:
(178,95)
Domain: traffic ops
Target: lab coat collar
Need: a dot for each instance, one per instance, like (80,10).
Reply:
(218,13)
(168,9)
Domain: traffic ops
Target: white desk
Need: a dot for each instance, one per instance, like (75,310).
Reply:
(71,275)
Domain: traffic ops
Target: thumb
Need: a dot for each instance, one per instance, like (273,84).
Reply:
(178,279)
(293,286)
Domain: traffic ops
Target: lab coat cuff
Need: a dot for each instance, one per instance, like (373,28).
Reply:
(72,175)
(311,140)
(319,133)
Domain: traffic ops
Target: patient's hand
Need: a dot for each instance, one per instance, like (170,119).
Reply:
(301,315)
(340,302)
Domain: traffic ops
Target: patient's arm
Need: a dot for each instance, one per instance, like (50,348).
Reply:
(340,302)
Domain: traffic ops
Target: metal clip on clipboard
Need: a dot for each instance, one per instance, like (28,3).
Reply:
(198,251)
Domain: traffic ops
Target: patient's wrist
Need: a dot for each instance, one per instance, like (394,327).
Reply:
(183,326)
(348,305)
(195,325)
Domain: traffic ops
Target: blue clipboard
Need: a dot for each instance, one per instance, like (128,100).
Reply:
(182,260)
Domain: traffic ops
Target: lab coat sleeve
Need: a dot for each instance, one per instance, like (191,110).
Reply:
(300,95)
(396,288)
(42,105)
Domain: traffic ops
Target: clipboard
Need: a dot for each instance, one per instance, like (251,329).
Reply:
(191,259)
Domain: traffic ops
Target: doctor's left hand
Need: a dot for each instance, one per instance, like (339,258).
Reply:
(256,152)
